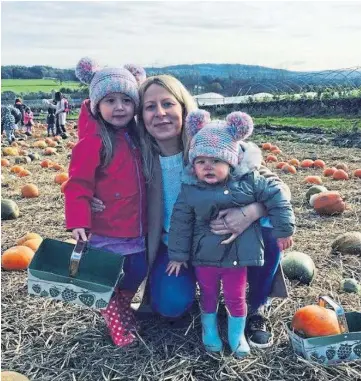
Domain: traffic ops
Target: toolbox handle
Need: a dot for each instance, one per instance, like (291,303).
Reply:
(340,313)
(79,249)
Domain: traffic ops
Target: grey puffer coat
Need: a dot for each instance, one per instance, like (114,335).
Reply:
(198,203)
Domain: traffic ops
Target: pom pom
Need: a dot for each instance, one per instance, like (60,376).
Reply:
(240,125)
(196,120)
(138,72)
(85,69)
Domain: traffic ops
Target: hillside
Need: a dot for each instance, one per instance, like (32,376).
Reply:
(227,79)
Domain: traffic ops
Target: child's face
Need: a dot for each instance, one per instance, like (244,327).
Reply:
(210,169)
(117,109)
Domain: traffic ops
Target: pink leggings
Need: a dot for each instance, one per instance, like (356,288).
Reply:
(234,282)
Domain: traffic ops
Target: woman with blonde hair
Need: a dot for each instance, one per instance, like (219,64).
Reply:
(164,105)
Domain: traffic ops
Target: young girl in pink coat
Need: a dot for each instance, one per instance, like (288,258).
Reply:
(106,163)
(28,121)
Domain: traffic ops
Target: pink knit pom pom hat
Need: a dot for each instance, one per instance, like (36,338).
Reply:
(219,139)
(104,81)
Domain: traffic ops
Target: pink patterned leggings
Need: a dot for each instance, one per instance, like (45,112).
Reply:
(234,282)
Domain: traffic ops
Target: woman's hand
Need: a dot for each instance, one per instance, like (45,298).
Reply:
(284,243)
(174,266)
(97,205)
(236,220)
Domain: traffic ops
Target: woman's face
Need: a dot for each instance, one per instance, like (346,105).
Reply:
(162,114)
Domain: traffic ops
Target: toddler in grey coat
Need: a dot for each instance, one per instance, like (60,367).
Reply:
(223,173)
(9,117)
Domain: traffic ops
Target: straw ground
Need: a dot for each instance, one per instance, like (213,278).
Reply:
(49,341)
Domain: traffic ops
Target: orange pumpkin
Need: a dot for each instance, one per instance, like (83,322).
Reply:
(61,177)
(17,258)
(340,174)
(280,164)
(314,321)
(307,163)
(329,171)
(329,203)
(274,148)
(27,237)
(52,143)
(46,163)
(24,173)
(57,167)
(266,146)
(289,169)
(276,151)
(50,151)
(16,168)
(342,166)
(357,173)
(313,180)
(294,162)
(319,163)
(33,244)
(70,145)
(30,191)
(271,158)
(5,162)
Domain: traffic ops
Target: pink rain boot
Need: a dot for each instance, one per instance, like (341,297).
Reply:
(118,330)
(124,300)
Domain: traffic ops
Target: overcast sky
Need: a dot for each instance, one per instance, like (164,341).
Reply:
(311,35)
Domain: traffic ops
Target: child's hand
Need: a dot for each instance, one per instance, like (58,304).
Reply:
(284,243)
(175,266)
(79,233)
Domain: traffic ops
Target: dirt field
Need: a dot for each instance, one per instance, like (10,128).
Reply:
(50,341)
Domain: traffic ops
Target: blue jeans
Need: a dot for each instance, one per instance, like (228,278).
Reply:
(172,296)
(260,278)
(135,270)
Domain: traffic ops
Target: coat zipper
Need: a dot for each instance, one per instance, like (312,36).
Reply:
(133,148)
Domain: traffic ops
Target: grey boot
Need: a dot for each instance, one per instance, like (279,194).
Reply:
(210,335)
(236,338)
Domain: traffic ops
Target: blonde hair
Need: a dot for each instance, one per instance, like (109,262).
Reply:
(150,149)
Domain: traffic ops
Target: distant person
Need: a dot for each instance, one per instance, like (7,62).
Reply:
(50,120)
(106,161)
(28,121)
(10,116)
(221,174)
(21,107)
(60,113)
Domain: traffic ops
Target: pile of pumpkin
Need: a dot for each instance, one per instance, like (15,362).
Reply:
(323,201)
(9,209)
(339,172)
(300,266)
(19,257)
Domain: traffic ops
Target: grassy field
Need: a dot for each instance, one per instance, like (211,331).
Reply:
(323,123)
(331,124)
(48,340)
(34,85)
